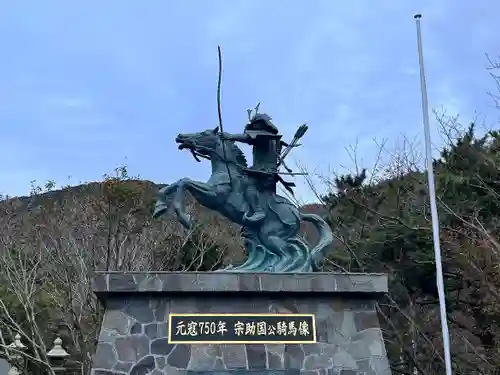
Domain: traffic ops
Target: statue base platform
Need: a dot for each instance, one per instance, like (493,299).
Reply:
(134,332)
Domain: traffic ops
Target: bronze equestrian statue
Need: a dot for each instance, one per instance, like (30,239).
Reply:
(247,196)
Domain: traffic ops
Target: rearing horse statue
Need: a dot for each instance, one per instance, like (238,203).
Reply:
(274,243)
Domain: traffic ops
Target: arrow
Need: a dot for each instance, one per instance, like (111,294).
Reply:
(298,134)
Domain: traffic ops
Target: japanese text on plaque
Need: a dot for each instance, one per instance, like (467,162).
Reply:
(241,328)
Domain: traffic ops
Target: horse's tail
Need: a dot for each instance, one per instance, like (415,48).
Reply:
(325,237)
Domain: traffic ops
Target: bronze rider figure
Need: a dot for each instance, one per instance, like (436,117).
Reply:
(262,135)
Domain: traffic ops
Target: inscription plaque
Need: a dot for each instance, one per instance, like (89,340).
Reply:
(241,329)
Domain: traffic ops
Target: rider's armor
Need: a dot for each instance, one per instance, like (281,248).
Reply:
(263,136)
(267,146)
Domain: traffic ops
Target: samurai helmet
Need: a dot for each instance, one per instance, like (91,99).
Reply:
(262,121)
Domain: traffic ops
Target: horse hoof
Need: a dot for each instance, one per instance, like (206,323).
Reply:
(160,210)
(186,221)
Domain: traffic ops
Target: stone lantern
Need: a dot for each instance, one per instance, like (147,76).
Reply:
(15,355)
(57,356)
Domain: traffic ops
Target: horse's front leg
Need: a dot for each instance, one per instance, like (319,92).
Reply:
(162,203)
(179,204)
(204,193)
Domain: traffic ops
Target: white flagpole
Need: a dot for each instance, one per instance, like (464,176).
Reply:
(432,197)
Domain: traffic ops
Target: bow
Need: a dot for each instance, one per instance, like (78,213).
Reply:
(219,112)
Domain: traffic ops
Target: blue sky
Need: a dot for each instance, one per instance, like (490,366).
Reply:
(86,86)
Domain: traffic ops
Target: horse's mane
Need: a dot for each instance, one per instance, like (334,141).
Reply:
(241,160)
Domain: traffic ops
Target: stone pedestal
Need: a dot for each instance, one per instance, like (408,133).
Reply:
(133,338)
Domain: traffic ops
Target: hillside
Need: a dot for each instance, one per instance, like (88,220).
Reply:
(115,216)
